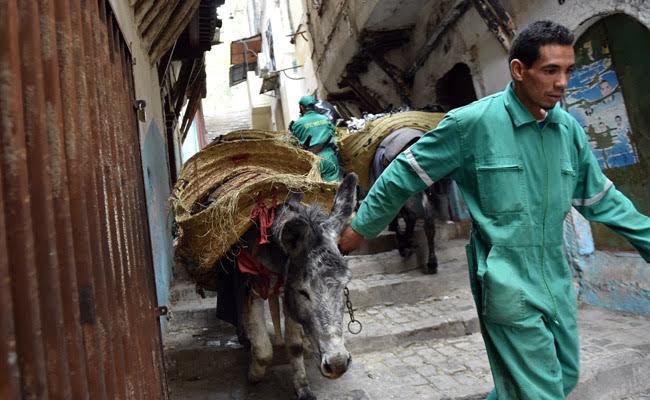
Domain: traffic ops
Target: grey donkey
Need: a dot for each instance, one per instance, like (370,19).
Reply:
(303,248)
(421,205)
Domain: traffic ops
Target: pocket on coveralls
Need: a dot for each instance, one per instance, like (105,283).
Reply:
(503,295)
(568,178)
(501,185)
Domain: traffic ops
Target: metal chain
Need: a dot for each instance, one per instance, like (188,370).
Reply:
(353,322)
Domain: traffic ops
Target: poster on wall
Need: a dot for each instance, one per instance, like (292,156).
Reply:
(594,98)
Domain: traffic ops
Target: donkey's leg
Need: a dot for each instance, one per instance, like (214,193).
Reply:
(261,348)
(430,230)
(274,308)
(402,247)
(409,215)
(293,339)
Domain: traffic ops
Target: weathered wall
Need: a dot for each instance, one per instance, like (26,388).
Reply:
(472,43)
(278,20)
(468,41)
(607,279)
(155,163)
(336,36)
(614,280)
(226,108)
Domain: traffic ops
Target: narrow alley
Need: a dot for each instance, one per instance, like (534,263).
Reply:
(331,199)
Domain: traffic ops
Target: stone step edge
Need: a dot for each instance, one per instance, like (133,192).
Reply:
(361,267)
(627,377)
(227,357)
(631,375)
(363,295)
(364,282)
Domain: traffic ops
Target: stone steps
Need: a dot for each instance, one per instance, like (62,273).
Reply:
(390,262)
(406,288)
(420,340)
(207,351)
(377,256)
(445,231)
(615,360)
(367,288)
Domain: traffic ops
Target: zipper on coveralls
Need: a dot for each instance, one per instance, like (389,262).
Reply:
(548,289)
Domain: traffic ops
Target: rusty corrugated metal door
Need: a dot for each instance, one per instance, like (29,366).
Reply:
(77,296)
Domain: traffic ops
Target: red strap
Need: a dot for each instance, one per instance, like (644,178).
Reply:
(248,265)
(265,216)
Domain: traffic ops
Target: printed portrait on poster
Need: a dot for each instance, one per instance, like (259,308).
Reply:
(595,99)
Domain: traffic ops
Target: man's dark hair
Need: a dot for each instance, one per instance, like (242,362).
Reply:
(526,45)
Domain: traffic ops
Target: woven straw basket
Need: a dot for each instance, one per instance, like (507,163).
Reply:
(219,187)
(358,149)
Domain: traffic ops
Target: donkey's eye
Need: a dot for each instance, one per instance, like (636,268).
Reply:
(305,294)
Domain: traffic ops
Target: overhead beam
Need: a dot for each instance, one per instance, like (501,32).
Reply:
(372,47)
(397,76)
(368,100)
(447,22)
(497,20)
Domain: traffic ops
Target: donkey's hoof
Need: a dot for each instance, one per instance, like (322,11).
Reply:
(256,374)
(430,269)
(305,393)
(405,252)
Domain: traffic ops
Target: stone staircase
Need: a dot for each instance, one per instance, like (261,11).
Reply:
(420,338)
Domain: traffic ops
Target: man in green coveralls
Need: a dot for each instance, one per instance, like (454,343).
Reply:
(315,133)
(521,162)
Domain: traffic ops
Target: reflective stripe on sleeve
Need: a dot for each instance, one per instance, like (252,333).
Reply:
(593,199)
(417,168)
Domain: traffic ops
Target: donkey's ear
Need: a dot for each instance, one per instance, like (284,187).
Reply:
(344,202)
(295,236)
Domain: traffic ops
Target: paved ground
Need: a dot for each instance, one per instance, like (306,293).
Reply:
(615,359)
(641,396)
(420,342)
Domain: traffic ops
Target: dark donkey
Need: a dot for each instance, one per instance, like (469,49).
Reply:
(303,250)
(422,205)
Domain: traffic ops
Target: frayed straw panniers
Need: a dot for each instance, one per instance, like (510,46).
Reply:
(219,187)
(358,149)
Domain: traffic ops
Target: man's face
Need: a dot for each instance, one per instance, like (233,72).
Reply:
(605,88)
(542,85)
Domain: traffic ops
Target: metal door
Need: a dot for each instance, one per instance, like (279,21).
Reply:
(78,316)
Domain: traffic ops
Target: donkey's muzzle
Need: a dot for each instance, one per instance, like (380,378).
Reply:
(334,365)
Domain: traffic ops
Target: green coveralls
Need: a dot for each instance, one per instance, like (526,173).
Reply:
(320,129)
(519,181)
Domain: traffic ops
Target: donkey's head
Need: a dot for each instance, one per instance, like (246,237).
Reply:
(317,273)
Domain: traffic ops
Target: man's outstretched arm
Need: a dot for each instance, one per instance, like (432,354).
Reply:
(598,200)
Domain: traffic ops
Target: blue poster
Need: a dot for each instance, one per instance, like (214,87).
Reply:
(594,98)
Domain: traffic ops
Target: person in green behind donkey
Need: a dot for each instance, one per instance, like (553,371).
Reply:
(315,133)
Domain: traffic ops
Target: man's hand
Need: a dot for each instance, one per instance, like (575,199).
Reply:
(350,240)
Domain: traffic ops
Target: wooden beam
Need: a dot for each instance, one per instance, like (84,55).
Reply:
(497,20)
(397,76)
(176,24)
(341,96)
(367,100)
(447,22)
